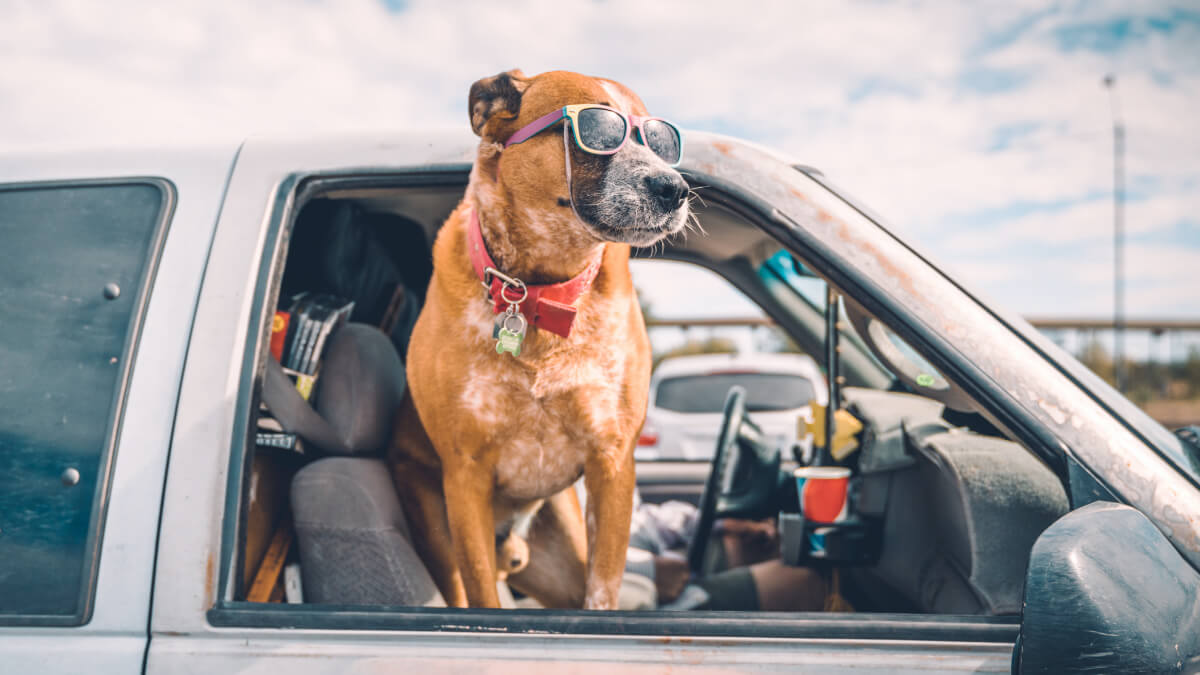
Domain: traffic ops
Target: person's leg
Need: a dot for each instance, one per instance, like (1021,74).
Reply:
(731,590)
(671,575)
(785,588)
(768,586)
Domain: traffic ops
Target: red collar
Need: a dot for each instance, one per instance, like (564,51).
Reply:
(548,306)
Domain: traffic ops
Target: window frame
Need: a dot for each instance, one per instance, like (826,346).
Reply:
(290,196)
(116,414)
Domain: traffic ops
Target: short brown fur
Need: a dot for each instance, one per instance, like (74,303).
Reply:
(484,439)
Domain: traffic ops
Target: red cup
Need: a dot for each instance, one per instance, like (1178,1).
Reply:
(823,492)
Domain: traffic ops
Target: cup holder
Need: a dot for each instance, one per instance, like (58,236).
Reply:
(855,541)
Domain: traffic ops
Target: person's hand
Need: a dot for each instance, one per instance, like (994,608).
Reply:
(671,575)
(749,530)
(748,541)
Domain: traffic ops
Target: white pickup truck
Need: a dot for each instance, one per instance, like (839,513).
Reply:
(136,297)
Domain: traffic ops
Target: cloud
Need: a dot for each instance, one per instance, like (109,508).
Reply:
(982,131)
(1154,272)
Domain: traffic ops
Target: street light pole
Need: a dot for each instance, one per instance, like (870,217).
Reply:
(1110,82)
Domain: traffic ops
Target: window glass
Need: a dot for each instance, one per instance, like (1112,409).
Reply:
(784,266)
(72,260)
(706,393)
(811,291)
(669,289)
(692,310)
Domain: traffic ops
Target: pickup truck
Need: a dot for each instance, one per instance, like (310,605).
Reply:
(1028,516)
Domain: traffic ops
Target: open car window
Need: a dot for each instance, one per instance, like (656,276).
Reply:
(706,336)
(396,220)
(866,336)
(906,435)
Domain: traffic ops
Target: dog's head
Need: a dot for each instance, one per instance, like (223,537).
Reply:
(632,196)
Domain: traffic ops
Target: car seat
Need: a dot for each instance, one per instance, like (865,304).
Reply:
(381,261)
(354,543)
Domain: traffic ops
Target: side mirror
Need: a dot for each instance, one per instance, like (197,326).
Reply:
(1107,592)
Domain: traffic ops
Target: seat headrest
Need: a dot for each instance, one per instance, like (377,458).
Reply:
(360,385)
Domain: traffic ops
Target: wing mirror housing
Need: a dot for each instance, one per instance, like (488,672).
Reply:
(1107,592)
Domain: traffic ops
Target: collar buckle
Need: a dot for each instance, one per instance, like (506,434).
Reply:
(508,282)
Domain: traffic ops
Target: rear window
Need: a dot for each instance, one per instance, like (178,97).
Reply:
(73,261)
(706,393)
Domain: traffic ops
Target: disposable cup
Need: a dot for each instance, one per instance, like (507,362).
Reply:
(822,492)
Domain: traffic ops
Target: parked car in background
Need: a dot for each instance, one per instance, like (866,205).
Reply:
(687,396)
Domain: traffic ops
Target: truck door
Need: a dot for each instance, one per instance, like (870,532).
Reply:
(98,278)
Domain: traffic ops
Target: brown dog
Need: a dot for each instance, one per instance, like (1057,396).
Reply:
(507,434)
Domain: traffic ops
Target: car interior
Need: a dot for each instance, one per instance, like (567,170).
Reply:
(944,506)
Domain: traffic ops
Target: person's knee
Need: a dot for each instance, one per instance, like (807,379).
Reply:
(780,587)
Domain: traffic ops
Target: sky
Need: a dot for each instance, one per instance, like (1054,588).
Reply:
(981,131)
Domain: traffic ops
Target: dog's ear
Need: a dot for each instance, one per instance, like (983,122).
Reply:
(495,100)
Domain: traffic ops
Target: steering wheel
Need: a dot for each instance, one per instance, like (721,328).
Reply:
(743,481)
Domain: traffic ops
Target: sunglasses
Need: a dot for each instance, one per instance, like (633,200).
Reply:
(601,130)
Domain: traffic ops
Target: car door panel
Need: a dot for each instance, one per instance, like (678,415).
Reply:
(112,637)
(299,652)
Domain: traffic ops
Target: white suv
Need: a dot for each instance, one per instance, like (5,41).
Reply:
(687,395)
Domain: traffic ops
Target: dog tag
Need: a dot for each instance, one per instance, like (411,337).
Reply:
(509,331)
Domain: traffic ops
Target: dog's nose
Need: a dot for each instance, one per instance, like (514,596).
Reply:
(668,189)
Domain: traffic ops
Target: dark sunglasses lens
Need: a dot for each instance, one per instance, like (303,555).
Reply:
(601,130)
(662,139)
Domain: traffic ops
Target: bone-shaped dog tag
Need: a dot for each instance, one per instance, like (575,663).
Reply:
(509,342)
(509,332)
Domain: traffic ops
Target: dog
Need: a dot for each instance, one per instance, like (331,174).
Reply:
(529,364)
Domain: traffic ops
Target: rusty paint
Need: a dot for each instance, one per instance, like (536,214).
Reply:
(843,232)
(885,263)
(895,271)
(210,576)
(1056,413)
(723,147)
(695,657)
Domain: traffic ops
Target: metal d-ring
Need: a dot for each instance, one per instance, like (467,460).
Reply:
(524,292)
(509,282)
